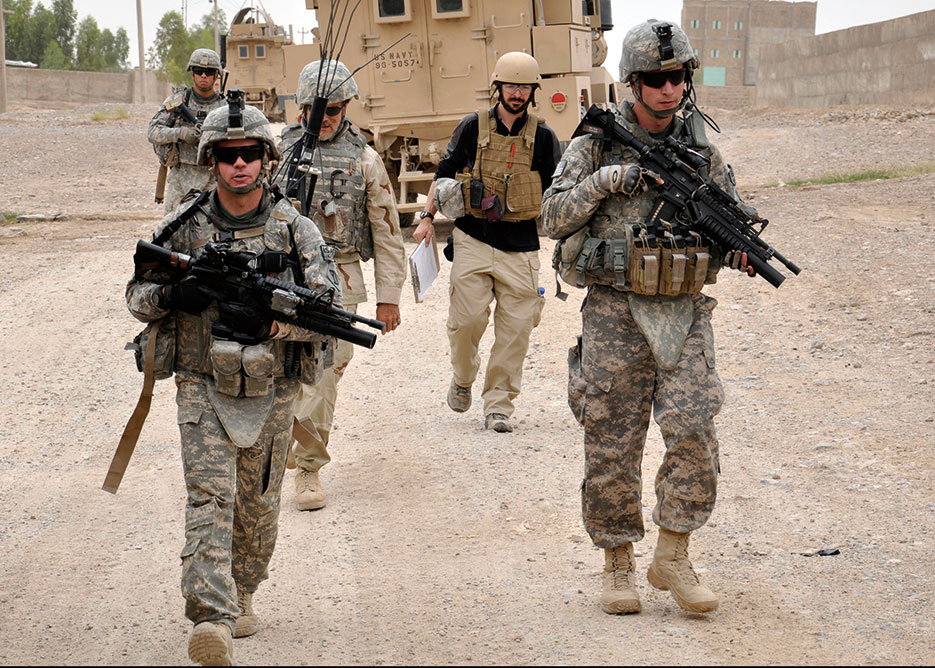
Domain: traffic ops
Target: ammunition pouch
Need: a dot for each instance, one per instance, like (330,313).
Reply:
(241,370)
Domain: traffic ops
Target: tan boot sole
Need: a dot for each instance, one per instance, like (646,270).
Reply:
(246,626)
(701,606)
(208,647)
(621,607)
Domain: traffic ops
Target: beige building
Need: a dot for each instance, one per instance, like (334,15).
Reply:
(727,36)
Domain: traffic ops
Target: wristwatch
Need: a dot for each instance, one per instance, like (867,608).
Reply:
(426,214)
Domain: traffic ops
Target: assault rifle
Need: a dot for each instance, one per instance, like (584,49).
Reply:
(236,276)
(687,197)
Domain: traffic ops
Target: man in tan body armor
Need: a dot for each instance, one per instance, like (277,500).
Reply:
(354,208)
(175,137)
(491,179)
(647,344)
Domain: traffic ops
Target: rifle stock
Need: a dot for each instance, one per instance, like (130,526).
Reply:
(230,275)
(687,197)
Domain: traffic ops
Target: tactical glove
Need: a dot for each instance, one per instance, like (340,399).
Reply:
(248,322)
(738,260)
(188,296)
(189,134)
(629,180)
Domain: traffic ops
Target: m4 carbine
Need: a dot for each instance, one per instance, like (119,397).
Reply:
(235,276)
(688,198)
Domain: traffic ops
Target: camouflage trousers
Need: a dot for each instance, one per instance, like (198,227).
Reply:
(480,274)
(623,386)
(183,178)
(232,511)
(314,408)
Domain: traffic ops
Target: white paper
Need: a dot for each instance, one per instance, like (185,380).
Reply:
(423,267)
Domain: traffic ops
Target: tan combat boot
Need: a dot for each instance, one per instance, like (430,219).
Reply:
(308,492)
(211,644)
(459,398)
(671,570)
(620,596)
(247,621)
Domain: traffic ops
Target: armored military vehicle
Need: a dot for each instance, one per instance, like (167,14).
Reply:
(414,94)
(255,60)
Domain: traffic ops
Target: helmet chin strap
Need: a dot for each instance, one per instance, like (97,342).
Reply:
(243,190)
(531,100)
(636,86)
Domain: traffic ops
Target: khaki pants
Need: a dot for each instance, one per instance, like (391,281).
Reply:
(314,408)
(480,274)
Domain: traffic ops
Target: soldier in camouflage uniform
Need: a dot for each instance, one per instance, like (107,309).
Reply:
(175,139)
(234,400)
(647,345)
(354,207)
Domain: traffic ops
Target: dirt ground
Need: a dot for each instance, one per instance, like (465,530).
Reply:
(443,543)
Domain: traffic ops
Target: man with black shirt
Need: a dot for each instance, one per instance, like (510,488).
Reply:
(502,166)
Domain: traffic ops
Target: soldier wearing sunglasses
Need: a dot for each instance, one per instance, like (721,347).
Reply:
(354,208)
(647,343)
(176,127)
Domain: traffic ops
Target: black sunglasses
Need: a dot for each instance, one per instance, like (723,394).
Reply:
(229,154)
(198,71)
(334,111)
(658,79)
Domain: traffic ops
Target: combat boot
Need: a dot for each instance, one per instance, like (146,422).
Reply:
(308,492)
(247,621)
(672,571)
(459,398)
(620,596)
(211,644)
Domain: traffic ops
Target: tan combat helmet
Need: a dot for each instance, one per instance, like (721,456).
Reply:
(334,83)
(206,58)
(652,46)
(516,67)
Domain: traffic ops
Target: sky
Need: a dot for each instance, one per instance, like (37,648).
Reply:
(831,15)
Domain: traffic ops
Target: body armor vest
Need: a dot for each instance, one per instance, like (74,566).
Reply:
(504,166)
(339,203)
(184,153)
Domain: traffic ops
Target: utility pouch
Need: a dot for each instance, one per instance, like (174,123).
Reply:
(523,192)
(643,273)
(697,269)
(226,360)
(164,356)
(674,263)
(314,357)
(493,210)
(449,250)
(477,193)
(258,369)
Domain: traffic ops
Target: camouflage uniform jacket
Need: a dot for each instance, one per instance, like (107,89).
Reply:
(365,222)
(268,229)
(166,124)
(576,197)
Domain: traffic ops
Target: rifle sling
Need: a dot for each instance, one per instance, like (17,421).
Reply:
(131,433)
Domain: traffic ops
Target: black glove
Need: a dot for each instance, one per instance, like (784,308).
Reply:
(189,296)
(247,322)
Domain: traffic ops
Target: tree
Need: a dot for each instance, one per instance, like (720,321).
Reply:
(170,50)
(65,19)
(17,27)
(39,32)
(54,58)
(89,55)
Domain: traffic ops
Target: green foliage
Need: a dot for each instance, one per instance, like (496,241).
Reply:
(65,19)
(110,114)
(174,44)
(54,58)
(875,174)
(10,216)
(88,55)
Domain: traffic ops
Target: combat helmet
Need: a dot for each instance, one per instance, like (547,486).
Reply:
(206,58)
(335,83)
(516,67)
(225,123)
(655,45)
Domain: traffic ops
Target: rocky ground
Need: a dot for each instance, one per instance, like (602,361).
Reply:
(446,544)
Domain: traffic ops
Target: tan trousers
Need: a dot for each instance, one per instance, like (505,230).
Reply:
(314,408)
(480,274)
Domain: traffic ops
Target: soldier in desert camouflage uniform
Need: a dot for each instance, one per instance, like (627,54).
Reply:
(175,139)
(354,208)
(646,347)
(234,400)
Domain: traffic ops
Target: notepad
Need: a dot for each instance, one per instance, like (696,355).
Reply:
(423,268)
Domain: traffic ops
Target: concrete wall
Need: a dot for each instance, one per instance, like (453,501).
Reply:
(725,97)
(879,63)
(60,88)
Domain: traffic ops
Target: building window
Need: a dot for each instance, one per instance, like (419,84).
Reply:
(713,76)
(715,53)
(260,51)
(694,23)
(716,25)
(738,25)
(449,9)
(737,53)
(242,51)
